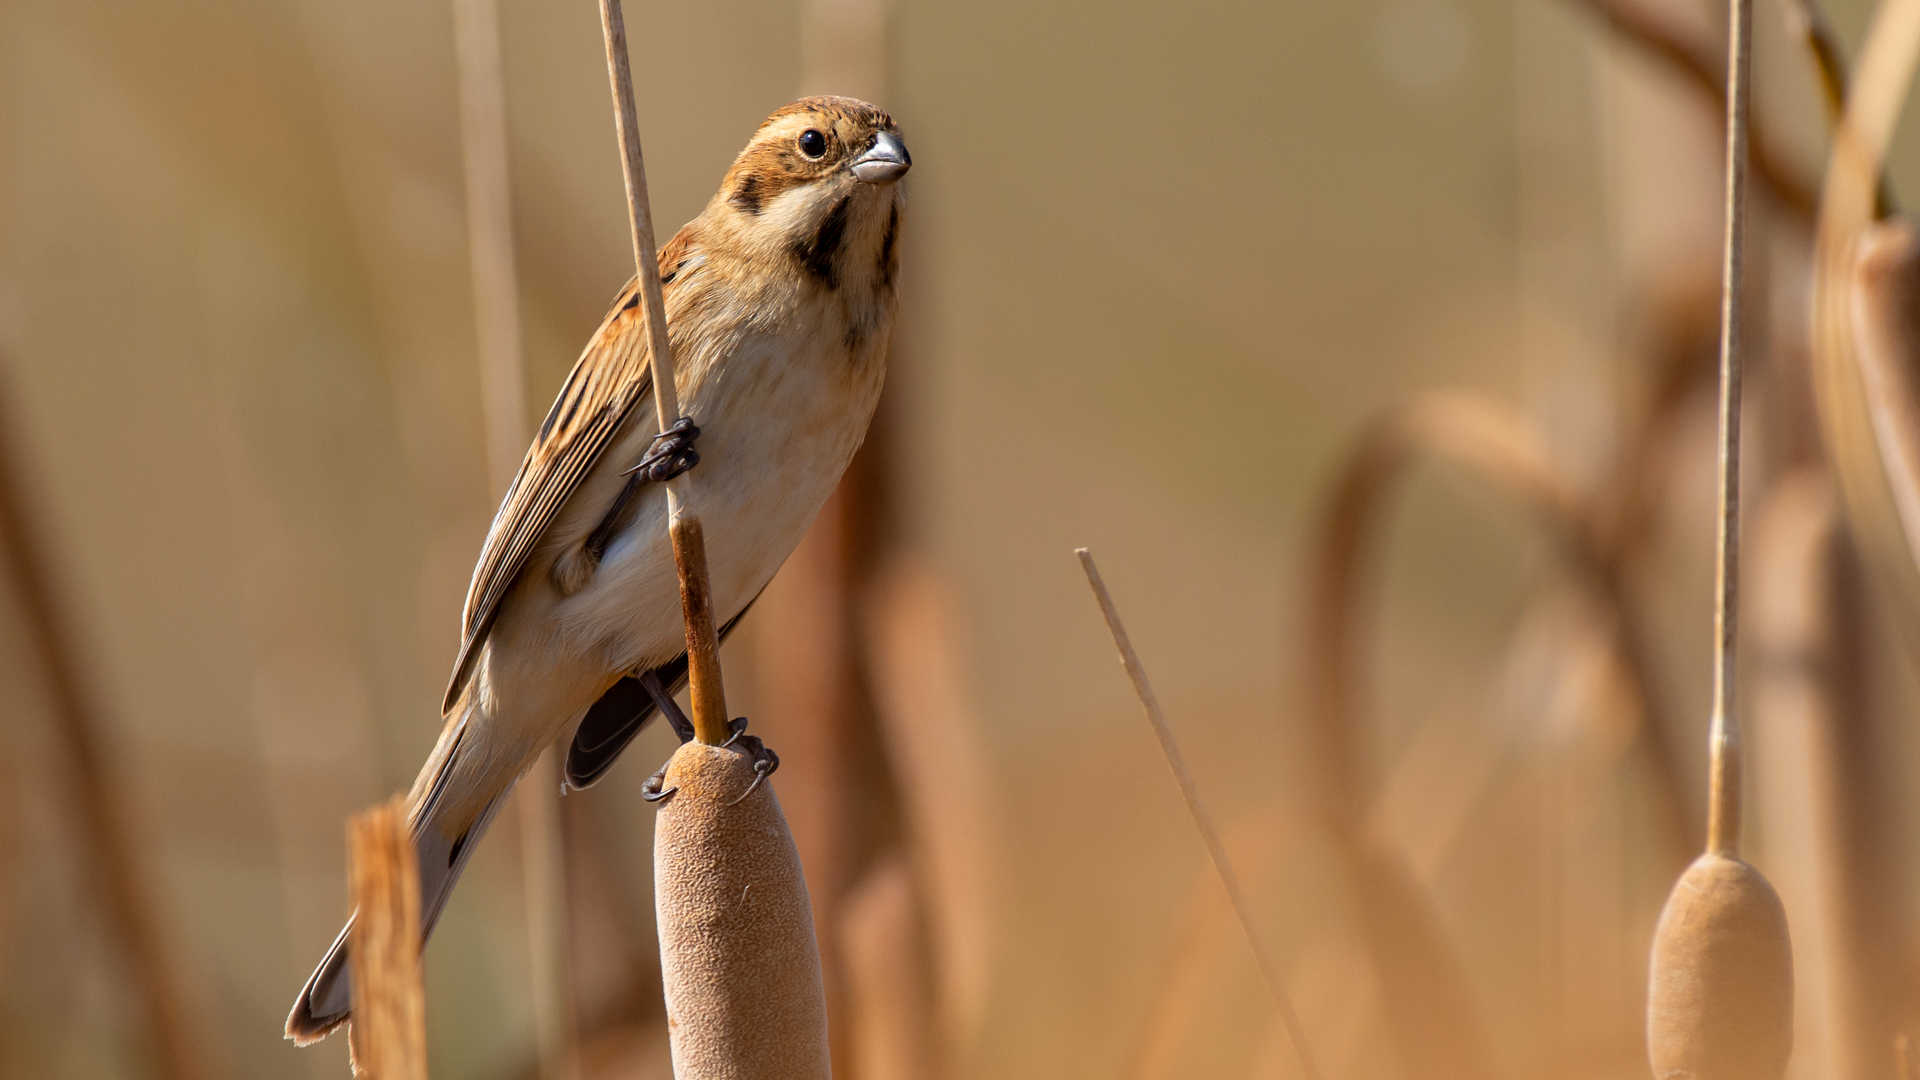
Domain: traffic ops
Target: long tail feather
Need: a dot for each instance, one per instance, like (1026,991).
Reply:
(326,1001)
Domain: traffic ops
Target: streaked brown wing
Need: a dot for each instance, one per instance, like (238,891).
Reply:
(610,378)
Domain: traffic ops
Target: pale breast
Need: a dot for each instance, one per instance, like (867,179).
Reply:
(781,415)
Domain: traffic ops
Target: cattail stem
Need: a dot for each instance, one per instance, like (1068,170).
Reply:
(1203,821)
(1723,807)
(389,1034)
(689,550)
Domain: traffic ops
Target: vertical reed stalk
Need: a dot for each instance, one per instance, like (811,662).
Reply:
(1720,984)
(1723,807)
(389,1032)
(689,543)
(496,315)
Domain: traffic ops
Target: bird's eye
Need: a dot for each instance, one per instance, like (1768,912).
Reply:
(812,143)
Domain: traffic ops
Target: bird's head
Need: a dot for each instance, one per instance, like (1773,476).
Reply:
(817,191)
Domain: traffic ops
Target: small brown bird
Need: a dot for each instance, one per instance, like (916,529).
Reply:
(780,308)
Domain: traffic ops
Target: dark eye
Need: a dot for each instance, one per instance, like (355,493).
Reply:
(812,143)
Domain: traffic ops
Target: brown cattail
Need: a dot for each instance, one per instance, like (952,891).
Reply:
(737,953)
(1720,993)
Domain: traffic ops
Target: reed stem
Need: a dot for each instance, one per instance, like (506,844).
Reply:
(689,550)
(1723,806)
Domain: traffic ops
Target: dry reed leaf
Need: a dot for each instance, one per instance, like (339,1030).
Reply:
(388,1032)
(1863,342)
(737,954)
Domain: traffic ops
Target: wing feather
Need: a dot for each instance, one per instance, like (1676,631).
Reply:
(608,380)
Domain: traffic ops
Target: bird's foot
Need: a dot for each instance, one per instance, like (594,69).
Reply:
(671,452)
(764,759)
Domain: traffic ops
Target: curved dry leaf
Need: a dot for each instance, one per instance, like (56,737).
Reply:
(1863,340)
(1495,444)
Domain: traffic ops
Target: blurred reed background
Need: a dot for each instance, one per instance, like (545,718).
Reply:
(1438,660)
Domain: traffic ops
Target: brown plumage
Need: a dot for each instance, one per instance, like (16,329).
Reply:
(780,303)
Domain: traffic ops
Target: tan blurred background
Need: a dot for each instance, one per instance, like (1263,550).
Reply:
(1164,262)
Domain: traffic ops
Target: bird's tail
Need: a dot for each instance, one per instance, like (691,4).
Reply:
(326,1001)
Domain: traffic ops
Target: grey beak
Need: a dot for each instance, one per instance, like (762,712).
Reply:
(884,162)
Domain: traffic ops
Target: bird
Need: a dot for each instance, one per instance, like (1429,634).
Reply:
(780,302)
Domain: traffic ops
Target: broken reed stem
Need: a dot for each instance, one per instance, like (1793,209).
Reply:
(1201,819)
(79,733)
(496,317)
(389,1033)
(1695,61)
(689,554)
(1723,806)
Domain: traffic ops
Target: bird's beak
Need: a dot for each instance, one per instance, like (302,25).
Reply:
(884,162)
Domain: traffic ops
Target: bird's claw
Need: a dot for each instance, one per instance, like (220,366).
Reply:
(671,452)
(650,787)
(765,761)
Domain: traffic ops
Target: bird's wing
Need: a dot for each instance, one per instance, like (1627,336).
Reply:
(610,378)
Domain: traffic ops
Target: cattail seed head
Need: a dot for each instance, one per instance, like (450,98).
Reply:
(737,954)
(1720,989)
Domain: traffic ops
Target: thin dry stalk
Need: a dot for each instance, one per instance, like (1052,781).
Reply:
(1201,819)
(1723,806)
(111,850)
(496,314)
(389,1032)
(1720,984)
(1696,62)
(707,694)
